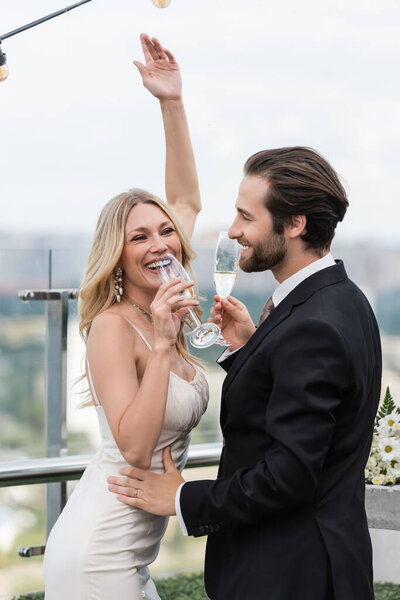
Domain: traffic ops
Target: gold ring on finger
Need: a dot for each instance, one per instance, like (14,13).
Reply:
(135,492)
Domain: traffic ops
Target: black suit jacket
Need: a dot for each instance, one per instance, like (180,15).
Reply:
(286,517)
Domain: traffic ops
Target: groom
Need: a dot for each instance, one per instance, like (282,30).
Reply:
(285,518)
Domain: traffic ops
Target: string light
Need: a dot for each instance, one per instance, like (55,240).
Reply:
(161,3)
(3,58)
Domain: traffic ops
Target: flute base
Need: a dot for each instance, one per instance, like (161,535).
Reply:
(221,341)
(205,335)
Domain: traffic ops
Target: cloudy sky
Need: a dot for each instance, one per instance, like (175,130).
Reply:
(77,127)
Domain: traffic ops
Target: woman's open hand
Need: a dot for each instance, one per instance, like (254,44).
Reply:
(161,75)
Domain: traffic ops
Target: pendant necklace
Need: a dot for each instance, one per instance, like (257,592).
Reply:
(138,307)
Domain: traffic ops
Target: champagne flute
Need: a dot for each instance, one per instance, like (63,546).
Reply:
(203,334)
(226,268)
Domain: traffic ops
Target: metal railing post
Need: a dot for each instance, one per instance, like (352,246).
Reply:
(56,400)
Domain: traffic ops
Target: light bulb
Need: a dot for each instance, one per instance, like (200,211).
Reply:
(3,72)
(161,3)
(3,66)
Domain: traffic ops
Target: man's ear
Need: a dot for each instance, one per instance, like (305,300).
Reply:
(297,226)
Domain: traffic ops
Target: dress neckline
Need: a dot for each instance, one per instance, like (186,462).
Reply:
(191,382)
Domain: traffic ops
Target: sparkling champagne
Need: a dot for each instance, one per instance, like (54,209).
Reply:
(224,282)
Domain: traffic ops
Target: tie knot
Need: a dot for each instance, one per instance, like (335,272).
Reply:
(267,310)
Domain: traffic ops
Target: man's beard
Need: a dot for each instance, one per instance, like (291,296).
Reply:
(265,255)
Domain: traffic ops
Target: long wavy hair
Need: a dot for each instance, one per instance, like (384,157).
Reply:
(96,292)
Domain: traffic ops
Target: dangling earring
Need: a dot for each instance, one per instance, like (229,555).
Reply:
(118,289)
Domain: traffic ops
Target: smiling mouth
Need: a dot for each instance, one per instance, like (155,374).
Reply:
(243,248)
(155,265)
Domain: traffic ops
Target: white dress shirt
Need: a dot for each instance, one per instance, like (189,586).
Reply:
(279,294)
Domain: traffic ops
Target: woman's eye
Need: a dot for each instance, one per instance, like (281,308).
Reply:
(137,238)
(168,230)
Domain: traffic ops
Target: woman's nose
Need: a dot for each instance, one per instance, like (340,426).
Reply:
(159,244)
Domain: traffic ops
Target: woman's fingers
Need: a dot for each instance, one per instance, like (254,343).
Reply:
(182,313)
(170,56)
(159,49)
(141,67)
(149,51)
(178,302)
(176,287)
(170,294)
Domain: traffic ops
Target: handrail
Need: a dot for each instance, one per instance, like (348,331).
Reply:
(381,502)
(66,468)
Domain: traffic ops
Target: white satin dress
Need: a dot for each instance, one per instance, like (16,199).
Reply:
(99,548)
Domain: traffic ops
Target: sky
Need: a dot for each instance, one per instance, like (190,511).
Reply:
(77,127)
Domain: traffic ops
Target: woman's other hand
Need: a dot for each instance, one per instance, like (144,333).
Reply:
(234,319)
(160,75)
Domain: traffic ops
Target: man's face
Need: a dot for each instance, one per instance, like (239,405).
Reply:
(263,249)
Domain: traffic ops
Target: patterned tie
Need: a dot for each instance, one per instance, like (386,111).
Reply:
(267,310)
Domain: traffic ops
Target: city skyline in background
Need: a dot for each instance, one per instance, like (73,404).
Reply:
(77,127)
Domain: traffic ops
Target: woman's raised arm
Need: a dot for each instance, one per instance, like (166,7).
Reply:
(161,76)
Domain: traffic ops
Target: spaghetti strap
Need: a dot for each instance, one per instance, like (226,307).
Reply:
(95,398)
(139,333)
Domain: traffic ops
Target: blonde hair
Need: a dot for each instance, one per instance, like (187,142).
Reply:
(96,292)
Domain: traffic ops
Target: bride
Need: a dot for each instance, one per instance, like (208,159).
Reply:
(147,389)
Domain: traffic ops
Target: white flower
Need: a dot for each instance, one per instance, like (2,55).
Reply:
(383,464)
(378,480)
(389,421)
(383,428)
(389,449)
(390,479)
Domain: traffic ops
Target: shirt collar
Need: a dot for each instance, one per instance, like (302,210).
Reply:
(290,283)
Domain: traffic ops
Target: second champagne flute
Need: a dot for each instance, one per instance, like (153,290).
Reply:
(226,268)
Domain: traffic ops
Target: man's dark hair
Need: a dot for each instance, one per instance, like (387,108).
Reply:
(301,182)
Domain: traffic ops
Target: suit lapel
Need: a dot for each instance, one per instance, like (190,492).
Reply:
(277,316)
(300,294)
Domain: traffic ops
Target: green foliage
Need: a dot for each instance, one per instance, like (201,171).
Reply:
(387,591)
(34,596)
(191,587)
(182,587)
(388,406)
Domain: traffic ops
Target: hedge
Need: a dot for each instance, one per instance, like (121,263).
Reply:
(191,587)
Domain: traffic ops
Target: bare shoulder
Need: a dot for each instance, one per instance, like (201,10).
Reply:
(108,318)
(112,328)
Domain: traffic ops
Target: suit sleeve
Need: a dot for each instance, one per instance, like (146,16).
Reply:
(227,362)
(310,370)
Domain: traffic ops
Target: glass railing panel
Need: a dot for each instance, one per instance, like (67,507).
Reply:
(22,523)
(68,265)
(22,354)
(375,268)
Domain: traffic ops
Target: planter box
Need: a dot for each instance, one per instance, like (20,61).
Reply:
(383,506)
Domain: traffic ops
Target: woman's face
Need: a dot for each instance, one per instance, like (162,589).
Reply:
(149,235)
